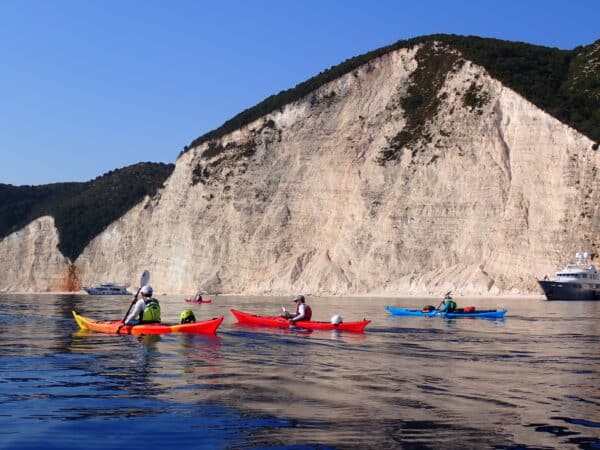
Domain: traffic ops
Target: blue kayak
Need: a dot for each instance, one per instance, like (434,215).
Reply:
(489,313)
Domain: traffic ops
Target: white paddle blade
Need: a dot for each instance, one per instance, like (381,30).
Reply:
(145,278)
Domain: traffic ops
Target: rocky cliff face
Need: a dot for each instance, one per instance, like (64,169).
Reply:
(31,262)
(376,183)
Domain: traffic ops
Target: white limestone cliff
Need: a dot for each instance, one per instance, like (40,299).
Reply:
(30,259)
(299,201)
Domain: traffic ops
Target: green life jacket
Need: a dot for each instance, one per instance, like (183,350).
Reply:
(451,305)
(187,316)
(152,311)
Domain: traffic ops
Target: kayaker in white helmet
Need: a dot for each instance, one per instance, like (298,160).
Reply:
(146,309)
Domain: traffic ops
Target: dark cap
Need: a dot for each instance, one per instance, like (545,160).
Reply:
(299,297)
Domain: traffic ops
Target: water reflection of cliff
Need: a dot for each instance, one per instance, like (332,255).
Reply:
(530,380)
(31,320)
(174,367)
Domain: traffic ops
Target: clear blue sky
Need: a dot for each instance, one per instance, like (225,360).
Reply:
(87,86)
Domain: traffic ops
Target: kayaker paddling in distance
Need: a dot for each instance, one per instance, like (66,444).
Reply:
(447,304)
(145,310)
(303,311)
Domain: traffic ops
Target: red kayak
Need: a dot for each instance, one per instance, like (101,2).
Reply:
(280,322)
(191,300)
(116,326)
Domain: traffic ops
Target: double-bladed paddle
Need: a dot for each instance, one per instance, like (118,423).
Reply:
(144,279)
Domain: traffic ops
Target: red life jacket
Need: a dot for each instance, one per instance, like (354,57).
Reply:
(307,311)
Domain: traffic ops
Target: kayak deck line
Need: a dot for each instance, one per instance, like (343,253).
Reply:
(279,322)
(117,327)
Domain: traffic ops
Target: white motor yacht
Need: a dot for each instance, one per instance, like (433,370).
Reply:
(107,289)
(578,280)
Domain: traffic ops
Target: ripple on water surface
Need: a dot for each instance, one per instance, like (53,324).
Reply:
(528,381)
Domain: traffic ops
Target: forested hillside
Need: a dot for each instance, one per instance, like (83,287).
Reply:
(81,211)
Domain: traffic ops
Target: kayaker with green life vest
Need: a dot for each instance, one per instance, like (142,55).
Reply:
(303,311)
(146,309)
(447,304)
(187,316)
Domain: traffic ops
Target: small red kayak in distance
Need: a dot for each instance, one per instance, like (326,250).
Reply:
(279,322)
(191,300)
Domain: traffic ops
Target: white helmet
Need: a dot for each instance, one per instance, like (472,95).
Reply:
(146,290)
(336,320)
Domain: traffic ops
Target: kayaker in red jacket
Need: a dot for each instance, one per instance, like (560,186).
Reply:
(303,311)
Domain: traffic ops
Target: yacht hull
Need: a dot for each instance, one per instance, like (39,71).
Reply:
(557,290)
(107,289)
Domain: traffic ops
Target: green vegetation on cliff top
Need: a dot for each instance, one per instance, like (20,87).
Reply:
(564,83)
(81,211)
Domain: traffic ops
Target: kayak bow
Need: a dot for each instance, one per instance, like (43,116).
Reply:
(114,326)
(488,313)
(279,322)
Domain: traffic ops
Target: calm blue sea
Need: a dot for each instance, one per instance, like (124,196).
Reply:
(529,381)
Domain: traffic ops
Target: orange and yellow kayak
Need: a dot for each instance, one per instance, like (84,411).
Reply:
(112,326)
(275,321)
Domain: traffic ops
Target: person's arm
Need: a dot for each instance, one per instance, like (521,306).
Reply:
(301,312)
(137,310)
